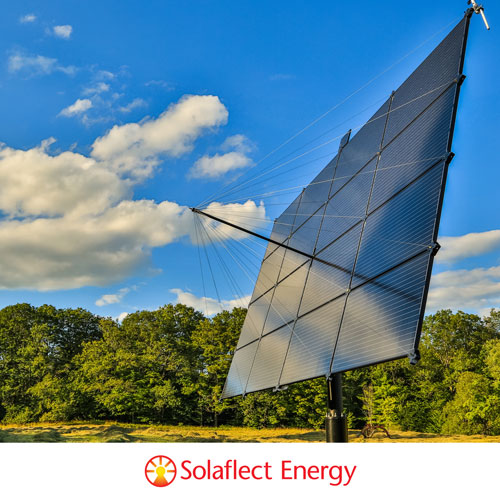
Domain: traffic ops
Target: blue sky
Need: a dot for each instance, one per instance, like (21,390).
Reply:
(116,116)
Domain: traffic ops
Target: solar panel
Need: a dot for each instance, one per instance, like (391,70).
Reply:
(366,228)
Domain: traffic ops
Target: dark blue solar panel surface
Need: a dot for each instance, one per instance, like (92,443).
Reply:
(369,223)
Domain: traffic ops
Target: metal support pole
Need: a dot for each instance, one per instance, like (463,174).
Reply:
(479,9)
(336,421)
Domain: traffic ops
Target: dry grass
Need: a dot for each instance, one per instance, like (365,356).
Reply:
(112,432)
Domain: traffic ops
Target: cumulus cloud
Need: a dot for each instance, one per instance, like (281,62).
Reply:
(215,166)
(136,103)
(35,183)
(470,290)
(62,31)
(77,108)
(112,298)
(455,248)
(138,147)
(28,18)
(208,305)
(70,220)
(30,66)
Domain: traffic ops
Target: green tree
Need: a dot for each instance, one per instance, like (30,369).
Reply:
(37,346)
(475,409)
(145,369)
(216,339)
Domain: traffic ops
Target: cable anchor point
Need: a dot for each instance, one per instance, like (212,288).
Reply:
(479,9)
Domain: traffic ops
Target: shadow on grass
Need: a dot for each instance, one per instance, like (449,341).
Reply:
(193,438)
(115,434)
(41,435)
(308,437)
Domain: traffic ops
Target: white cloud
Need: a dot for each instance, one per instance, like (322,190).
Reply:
(34,183)
(136,103)
(113,298)
(471,290)
(37,65)
(103,74)
(62,31)
(138,147)
(96,89)
(28,18)
(247,214)
(70,220)
(239,142)
(215,166)
(208,305)
(77,108)
(122,316)
(456,248)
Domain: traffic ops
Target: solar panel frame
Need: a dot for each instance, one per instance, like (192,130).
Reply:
(359,281)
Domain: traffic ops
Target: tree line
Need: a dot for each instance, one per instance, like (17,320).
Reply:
(168,366)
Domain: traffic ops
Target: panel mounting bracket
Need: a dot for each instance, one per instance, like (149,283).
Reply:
(449,157)
(280,388)
(479,9)
(414,357)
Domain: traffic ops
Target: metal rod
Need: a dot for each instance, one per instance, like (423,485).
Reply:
(479,9)
(265,238)
(336,421)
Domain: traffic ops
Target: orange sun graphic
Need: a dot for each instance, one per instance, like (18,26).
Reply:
(160,471)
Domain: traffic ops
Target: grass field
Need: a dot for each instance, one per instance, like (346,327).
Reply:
(111,432)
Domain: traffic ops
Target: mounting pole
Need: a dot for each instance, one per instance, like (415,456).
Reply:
(479,9)
(336,421)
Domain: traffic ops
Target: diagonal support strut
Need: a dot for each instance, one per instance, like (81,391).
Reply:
(265,238)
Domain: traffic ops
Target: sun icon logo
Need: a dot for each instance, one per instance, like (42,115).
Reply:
(160,471)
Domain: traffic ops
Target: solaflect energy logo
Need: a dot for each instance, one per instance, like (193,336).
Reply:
(160,471)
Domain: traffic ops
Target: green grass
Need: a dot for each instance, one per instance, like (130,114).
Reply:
(112,432)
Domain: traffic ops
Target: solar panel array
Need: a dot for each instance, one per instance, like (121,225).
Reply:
(369,222)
